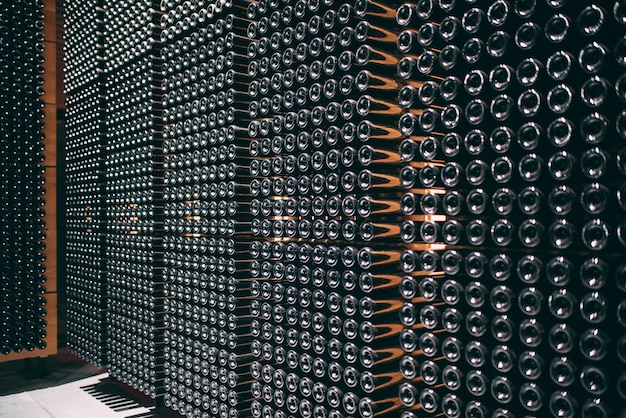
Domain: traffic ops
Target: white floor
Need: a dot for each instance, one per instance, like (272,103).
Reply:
(78,399)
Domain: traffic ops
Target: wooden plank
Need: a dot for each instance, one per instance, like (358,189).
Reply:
(50,76)
(51,198)
(51,260)
(51,339)
(53,324)
(50,139)
(50,20)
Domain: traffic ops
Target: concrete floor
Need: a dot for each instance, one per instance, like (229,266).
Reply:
(70,389)
(77,399)
(25,375)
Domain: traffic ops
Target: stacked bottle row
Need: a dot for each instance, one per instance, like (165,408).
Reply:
(85,110)
(22,268)
(133,166)
(86,303)
(205,203)
(83,43)
(518,117)
(326,250)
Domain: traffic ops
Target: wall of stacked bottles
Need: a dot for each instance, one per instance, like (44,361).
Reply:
(325,212)
(206,208)
(133,166)
(85,107)
(518,116)
(27,195)
(370,208)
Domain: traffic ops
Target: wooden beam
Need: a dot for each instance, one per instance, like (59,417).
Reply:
(50,76)
(50,132)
